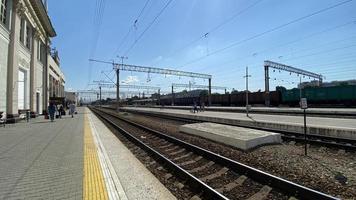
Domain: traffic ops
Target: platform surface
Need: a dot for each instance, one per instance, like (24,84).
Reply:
(271,109)
(137,182)
(242,138)
(334,123)
(71,158)
(42,159)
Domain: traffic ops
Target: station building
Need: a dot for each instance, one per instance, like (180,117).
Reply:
(29,69)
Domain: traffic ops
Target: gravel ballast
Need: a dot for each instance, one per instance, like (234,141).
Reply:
(331,171)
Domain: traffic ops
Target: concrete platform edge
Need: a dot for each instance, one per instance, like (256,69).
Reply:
(346,133)
(114,187)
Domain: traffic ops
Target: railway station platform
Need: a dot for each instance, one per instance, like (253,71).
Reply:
(71,158)
(332,127)
(320,112)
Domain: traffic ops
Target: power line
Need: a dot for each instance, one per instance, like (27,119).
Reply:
(131,27)
(312,54)
(148,27)
(97,22)
(321,52)
(267,31)
(215,28)
(144,7)
(290,42)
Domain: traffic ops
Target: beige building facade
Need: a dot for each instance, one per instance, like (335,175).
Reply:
(56,79)
(25,32)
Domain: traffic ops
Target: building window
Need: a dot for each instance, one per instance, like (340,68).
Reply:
(22,27)
(28,36)
(3,11)
(41,52)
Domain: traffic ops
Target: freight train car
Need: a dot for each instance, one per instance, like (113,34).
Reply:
(343,95)
(255,98)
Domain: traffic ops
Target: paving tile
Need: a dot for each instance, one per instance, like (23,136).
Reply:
(42,160)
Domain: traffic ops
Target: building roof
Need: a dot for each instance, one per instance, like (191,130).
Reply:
(41,10)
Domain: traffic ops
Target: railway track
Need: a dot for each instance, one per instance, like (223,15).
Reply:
(326,141)
(212,176)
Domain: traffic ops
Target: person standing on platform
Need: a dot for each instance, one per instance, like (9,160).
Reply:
(51,111)
(72,109)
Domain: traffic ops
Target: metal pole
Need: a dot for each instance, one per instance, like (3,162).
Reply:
(117,86)
(118,78)
(305,133)
(100,95)
(209,98)
(267,102)
(159,97)
(247,91)
(172,96)
(300,89)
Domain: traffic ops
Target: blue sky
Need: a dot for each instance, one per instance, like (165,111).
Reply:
(324,43)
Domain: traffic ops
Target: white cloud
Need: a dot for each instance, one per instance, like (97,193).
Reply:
(131,80)
(157,59)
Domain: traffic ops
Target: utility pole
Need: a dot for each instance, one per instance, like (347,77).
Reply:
(100,96)
(209,92)
(159,97)
(172,95)
(247,90)
(300,89)
(118,79)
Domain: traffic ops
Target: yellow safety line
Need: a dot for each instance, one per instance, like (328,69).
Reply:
(93,179)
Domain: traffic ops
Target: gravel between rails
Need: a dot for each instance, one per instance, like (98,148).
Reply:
(154,167)
(324,169)
(244,191)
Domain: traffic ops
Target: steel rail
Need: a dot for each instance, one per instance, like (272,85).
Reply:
(339,142)
(192,180)
(281,184)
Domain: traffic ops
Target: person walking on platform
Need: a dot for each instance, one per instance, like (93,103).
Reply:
(51,111)
(72,109)
(60,111)
(195,108)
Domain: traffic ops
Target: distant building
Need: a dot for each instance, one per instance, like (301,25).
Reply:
(56,79)
(25,32)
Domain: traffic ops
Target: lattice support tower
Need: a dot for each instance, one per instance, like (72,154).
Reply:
(279,66)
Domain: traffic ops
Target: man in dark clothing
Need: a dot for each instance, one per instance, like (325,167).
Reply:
(51,111)
(60,111)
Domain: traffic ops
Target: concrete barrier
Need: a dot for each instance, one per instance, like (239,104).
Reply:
(242,138)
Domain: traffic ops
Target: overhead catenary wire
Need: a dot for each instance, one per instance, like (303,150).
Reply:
(290,42)
(124,39)
(215,28)
(281,57)
(266,32)
(148,27)
(97,22)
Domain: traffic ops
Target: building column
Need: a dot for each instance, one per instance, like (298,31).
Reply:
(33,71)
(13,65)
(45,78)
